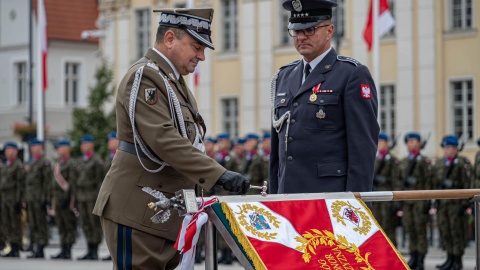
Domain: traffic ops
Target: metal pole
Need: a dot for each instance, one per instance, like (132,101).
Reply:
(476,201)
(30,64)
(210,246)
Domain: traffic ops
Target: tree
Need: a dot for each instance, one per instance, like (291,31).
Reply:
(94,119)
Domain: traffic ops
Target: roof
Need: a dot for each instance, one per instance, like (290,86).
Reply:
(67,19)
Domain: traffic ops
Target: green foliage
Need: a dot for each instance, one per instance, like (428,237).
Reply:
(94,120)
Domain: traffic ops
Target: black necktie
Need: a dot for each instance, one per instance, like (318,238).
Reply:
(307,70)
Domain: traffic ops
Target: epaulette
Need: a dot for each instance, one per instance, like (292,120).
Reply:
(152,65)
(291,64)
(348,59)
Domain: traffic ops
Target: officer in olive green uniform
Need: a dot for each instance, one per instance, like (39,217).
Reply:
(158,124)
(90,176)
(65,174)
(12,187)
(416,174)
(38,184)
(452,172)
(386,178)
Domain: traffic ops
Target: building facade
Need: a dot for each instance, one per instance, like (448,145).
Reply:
(71,63)
(429,68)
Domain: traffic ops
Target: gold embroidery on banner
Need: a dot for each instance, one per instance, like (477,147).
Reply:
(364,218)
(311,240)
(244,208)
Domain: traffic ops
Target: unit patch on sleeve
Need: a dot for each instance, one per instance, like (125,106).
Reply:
(151,95)
(365,91)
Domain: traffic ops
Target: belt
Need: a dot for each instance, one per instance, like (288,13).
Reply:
(130,148)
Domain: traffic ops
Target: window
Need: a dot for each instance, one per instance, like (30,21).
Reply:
(143,31)
(230,27)
(230,116)
(21,82)
(72,81)
(462,96)
(387,109)
(461,14)
(285,38)
(391,33)
(338,18)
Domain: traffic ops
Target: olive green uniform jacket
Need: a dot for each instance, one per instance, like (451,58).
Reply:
(121,198)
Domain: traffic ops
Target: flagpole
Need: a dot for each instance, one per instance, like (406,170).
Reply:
(39,72)
(376,53)
(30,64)
(191,76)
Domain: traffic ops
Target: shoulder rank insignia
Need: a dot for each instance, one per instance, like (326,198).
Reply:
(291,64)
(348,59)
(151,96)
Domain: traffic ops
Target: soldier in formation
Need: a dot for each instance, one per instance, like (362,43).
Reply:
(37,193)
(416,174)
(65,175)
(90,177)
(12,188)
(452,172)
(386,178)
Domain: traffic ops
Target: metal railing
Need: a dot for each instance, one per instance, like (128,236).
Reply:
(210,236)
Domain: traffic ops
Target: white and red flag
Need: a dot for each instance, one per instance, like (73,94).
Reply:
(311,234)
(385,22)
(42,38)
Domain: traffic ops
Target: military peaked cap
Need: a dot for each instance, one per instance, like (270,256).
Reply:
(196,21)
(308,13)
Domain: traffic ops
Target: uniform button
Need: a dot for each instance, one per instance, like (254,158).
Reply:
(201,180)
(290,158)
(295,104)
(339,171)
(160,185)
(290,139)
(321,101)
(292,121)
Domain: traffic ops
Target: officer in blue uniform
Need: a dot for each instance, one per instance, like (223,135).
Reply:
(325,130)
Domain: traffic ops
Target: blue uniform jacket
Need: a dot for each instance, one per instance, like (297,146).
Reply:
(332,141)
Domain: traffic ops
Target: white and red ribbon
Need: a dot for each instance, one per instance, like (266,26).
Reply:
(189,232)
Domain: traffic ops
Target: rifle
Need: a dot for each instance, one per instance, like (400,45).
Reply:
(394,141)
(462,143)
(424,142)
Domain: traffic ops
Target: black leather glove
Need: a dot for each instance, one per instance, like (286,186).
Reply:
(234,182)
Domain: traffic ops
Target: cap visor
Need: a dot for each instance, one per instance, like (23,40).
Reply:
(202,38)
(301,26)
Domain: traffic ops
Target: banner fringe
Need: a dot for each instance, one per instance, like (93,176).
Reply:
(242,239)
(385,234)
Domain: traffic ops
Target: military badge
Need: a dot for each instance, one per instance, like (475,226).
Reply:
(365,91)
(297,5)
(171,76)
(321,113)
(151,96)
(313,97)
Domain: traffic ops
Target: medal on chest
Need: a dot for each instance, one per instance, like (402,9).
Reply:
(315,89)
